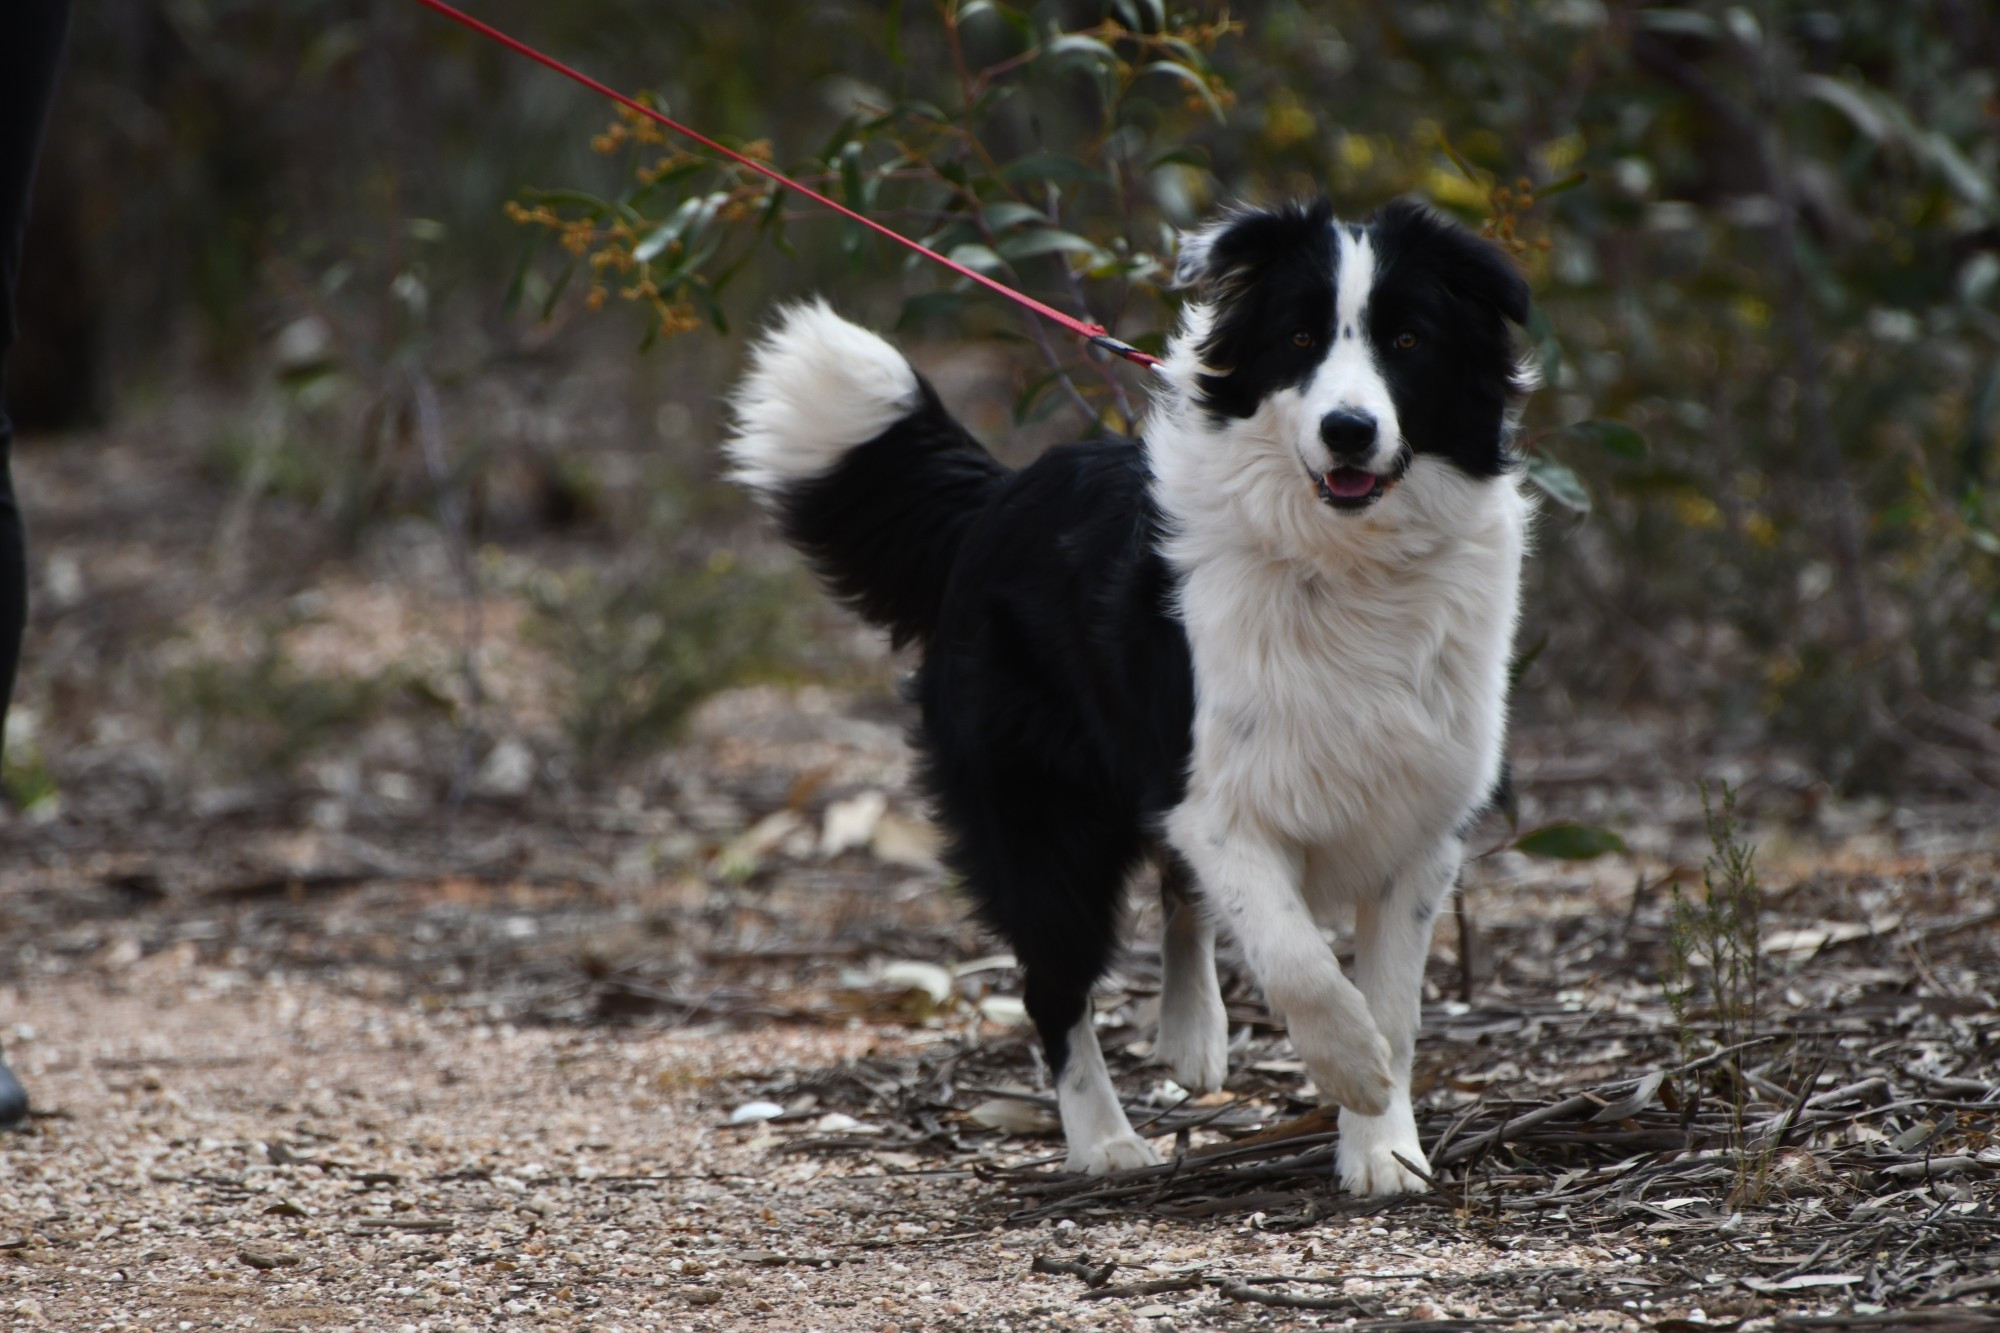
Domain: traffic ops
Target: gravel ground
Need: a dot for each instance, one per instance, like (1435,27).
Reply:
(282,1087)
(217,1151)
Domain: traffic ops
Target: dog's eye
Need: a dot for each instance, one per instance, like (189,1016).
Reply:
(1302,338)
(1405,341)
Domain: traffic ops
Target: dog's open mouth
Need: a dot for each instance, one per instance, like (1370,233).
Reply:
(1351,487)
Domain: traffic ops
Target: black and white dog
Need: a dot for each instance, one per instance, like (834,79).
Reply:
(1268,647)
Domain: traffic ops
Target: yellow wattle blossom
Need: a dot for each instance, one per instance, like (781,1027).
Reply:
(643,129)
(1452,189)
(1287,123)
(1696,510)
(675,319)
(1750,310)
(541,215)
(1563,153)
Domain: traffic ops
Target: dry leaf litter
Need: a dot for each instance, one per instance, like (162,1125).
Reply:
(717,1048)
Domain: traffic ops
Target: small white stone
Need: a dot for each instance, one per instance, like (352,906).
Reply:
(509,771)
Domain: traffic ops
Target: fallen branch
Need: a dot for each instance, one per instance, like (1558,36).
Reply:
(1092,1277)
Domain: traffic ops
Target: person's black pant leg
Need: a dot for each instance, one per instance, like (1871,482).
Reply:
(31,41)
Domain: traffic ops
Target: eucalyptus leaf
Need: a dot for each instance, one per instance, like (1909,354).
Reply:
(978,258)
(1680,23)
(1075,47)
(1548,348)
(1185,156)
(1049,241)
(654,242)
(557,288)
(1614,437)
(1029,398)
(684,224)
(850,175)
(1192,80)
(1567,183)
(1569,842)
(1559,483)
(1010,213)
(518,283)
(1007,14)
(892,32)
(929,305)
(574,199)
(1057,167)
(920,109)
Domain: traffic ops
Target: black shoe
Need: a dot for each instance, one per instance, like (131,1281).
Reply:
(13,1099)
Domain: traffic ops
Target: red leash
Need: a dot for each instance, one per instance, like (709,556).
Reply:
(1095,333)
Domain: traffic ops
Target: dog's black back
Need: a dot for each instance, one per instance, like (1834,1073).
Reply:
(1055,687)
(1057,697)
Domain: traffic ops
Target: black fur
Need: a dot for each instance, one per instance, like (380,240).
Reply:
(1270,275)
(1057,702)
(883,529)
(1056,689)
(1456,292)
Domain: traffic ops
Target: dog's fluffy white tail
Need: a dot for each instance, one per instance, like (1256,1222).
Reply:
(817,386)
(866,472)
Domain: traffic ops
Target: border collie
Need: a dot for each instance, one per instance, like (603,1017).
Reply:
(1266,647)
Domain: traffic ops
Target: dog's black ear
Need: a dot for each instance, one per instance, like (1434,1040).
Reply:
(1236,246)
(1474,268)
(1196,250)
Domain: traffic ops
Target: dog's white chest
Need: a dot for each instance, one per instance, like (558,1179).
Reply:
(1364,714)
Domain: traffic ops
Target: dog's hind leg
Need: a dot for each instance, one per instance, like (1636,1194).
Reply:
(1049,872)
(1100,1138)
(1392,940)
(1193,1041)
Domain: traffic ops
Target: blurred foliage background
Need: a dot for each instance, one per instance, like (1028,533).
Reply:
(1764,238)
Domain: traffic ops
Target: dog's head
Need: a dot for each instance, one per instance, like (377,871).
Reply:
(1351,353)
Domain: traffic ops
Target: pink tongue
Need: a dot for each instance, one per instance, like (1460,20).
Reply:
(1350,482)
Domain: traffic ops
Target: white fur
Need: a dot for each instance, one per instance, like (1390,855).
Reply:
(1099,1136)
(817,387)
(1392,936)
(1349,379)
(1193,1040)
(1351,673)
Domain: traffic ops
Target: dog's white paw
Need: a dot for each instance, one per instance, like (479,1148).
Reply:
(1367,1153)
(1351,1065)
(1193,1043)
(1122,1153)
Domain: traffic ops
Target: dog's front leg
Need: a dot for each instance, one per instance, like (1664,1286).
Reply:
(1392,940)
(1253,880)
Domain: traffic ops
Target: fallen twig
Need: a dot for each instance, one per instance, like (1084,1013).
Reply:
(1092,1276)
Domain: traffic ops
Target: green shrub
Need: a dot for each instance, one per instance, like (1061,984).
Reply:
(640,650)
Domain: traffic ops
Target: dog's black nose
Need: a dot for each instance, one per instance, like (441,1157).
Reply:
(1348,432)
